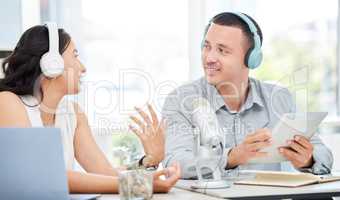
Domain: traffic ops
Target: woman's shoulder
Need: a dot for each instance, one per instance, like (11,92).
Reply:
(9,99)
(13,112)
(8,94)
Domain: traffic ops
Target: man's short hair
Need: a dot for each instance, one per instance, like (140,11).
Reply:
(231,19)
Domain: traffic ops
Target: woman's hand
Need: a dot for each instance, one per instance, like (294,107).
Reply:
(172,175)
(151,132)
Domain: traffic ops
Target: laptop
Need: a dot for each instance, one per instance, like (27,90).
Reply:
(32,165)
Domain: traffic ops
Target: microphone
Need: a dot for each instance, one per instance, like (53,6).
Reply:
(208,145)
(205,119)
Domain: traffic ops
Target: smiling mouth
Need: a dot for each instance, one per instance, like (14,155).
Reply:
(212,69)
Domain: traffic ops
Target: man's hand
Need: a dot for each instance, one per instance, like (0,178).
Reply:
(299,151)
(249,148)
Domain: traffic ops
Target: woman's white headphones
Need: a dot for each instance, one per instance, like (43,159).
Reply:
(52,63)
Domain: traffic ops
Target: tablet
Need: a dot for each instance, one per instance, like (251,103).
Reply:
(290,124)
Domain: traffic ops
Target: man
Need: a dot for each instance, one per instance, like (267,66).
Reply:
(246,108)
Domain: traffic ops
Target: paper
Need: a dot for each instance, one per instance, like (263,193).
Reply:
(290,124)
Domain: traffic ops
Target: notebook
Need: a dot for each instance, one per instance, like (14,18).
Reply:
(286,179)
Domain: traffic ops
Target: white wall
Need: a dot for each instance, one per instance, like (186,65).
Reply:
(10,23)
(15,17)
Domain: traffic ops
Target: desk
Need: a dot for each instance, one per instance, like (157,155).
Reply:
(317,191)
(183,192)
(174,194)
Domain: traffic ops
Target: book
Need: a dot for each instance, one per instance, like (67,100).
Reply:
(286,179)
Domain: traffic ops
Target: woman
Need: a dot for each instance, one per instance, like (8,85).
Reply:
(30,98)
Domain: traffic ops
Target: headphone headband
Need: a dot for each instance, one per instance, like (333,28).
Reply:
(53,37)
(250,24)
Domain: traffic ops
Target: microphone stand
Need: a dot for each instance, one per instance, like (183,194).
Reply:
(207,158)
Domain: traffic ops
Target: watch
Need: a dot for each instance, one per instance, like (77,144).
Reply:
(145,160)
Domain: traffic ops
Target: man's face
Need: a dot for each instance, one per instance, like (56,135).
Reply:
(223,54)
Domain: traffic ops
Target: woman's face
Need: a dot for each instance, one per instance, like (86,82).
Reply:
(73,70)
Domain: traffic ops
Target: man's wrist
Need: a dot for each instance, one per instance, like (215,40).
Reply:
(231,162)
(147,162)
(310,163)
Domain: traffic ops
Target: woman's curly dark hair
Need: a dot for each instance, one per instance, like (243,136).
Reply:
(22,67)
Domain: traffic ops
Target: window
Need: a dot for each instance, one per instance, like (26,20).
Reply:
(134,51)
(138,51)
(295,41)
(136,48)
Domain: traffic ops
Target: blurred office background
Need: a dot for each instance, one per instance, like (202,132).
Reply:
(138,51)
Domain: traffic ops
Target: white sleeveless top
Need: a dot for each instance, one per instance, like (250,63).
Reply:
(65,119)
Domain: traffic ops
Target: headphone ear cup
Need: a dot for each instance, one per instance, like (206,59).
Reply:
(246,57)
(254,54)
(254,58)
(52,65)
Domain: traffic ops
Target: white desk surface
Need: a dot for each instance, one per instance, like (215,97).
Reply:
(244,191)
(174,194)
(240,191)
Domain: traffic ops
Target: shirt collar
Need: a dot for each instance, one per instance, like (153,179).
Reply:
(254,95)
(216,100)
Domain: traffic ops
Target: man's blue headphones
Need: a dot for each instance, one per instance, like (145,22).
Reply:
(253,57)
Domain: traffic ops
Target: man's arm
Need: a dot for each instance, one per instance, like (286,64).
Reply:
(322,157)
